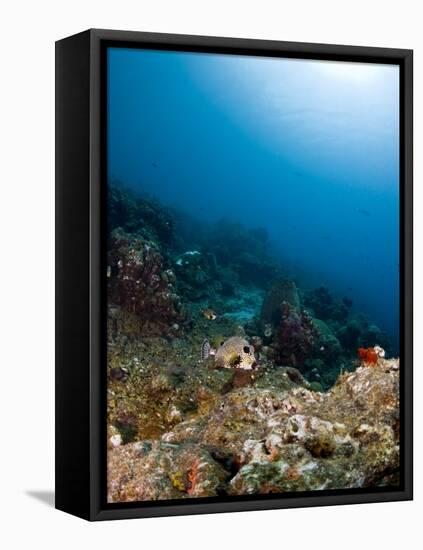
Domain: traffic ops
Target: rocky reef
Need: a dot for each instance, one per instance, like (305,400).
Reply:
(246,252)
(138,215)
(295,336)
(140,284)
(225,377)
(324,306)
(273,436)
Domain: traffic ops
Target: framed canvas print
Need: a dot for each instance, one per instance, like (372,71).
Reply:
(234,274)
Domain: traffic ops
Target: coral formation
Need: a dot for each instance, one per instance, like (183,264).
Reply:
(138,215)
(140,284)
(328,346)
(245,251)
(324,306)
(224,377)
(295,336)
(193,271)
(282,290)
(158,470)
(257,441)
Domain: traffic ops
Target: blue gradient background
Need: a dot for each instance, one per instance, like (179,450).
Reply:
(307,149)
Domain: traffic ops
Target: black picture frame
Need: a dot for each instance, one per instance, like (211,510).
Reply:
(80,286)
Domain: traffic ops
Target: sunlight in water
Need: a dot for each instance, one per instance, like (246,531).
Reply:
(359,73)
(252,276)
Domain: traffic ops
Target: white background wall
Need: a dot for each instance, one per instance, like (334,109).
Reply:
(28,31)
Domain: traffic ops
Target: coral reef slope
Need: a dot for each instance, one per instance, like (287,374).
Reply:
(271,437)
(226,377)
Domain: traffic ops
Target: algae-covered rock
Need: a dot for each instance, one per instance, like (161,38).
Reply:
(140,284)
(274,435)
(225,379)
(271,431)
(158,470)
(325,306)
(328,345)
(297,439)
(295,337)
(133,213)
(346,438)
(282,290)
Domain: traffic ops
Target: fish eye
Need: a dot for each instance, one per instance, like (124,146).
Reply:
(246,349)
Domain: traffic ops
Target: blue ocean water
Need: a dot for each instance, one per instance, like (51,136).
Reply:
(307,149)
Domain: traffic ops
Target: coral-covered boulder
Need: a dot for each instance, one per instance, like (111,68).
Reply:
(157,470)
(245,251)
(253,270)
(328,346)
(135,214)
(196,274)
(273,436)
(349,335)
(325,306)
(295,337)
(140,283)
(345,438)
(282,290)
(295,439)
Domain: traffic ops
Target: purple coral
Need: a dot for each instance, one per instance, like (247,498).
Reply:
(295,336)
(140,284)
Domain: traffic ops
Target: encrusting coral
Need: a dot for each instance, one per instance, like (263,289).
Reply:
(295,336)
(225,378)
(159,470)
(288,438)
(282,290)
(324,306)
(139,283)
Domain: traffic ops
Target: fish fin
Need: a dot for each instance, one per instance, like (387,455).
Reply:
(205,350)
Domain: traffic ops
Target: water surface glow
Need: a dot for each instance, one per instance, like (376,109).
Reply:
(307,149)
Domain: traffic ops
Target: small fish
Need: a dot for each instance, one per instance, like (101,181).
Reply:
(363,212)
(209,314)
(154,165)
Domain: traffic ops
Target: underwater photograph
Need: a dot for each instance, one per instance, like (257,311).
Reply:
(253,275)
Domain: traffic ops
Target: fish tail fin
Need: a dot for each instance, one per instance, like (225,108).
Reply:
(205,350)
